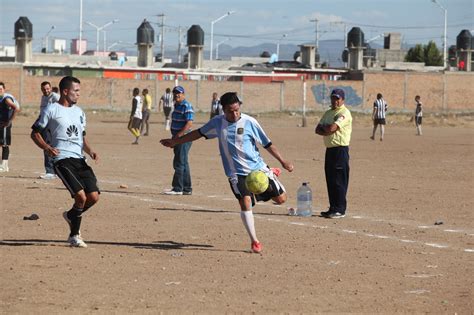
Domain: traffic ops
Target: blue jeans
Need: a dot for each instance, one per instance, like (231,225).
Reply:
(182,173)
(48,161)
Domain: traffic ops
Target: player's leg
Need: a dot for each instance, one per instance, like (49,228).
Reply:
(374,129)
(382,131)
(246,201)
(5,141)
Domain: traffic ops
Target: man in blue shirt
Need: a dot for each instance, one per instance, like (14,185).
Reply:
(181,124)
(238,135)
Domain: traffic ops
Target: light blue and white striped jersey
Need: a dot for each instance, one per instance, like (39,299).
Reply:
(66,126)
(237,143)
(380,107)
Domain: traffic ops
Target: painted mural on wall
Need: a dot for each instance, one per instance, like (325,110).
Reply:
(322,92)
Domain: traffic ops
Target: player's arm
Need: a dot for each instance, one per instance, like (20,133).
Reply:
(15,109)
(326,130)
(88,149)
(276,154)
(189,137)
(39,141)
(134,107)
(183,130)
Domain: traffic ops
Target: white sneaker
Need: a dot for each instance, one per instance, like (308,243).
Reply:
(4,169)
(76,241)
(48,176)
(172,192)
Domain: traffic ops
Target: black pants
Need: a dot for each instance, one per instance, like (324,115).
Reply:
(336,167)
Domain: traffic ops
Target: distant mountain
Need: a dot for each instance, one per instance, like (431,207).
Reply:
(330,51)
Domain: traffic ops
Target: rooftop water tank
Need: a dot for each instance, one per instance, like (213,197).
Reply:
(23,28)
(355,37)
(464,39)
(195,36)
(145,33)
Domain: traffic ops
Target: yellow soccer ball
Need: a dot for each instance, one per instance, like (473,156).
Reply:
(256,182)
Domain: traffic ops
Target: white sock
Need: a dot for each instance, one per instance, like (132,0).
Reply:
(248,220)
(5,163)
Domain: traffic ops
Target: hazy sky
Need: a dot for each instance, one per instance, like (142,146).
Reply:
(254,21)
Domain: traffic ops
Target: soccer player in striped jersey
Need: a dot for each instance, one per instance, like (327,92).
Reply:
(238,135)
(378,116)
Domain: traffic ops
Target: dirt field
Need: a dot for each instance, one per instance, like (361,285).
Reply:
(150,253)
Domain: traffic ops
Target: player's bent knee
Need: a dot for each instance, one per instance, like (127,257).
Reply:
(280,199)
(92,198)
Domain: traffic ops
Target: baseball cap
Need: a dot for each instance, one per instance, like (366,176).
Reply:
(178,89)
(230,98)
(339,93)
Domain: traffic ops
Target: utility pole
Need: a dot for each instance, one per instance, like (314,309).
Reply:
(179,43)
(162,36)
(316,40)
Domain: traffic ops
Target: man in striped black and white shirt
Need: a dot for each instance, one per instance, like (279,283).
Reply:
(378,116)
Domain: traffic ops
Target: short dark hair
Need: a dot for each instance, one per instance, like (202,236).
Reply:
(168,90)
(67,82)
(145,91)
(230,98)
(379,95)
(136,91)
(44,83)
(2,84)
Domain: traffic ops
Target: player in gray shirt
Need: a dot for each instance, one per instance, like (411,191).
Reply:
(66,123)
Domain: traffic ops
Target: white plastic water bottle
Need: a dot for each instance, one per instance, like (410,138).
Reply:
(304,206)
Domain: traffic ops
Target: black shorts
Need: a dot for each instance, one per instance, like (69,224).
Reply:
(418,120)
(134,123)
(275,188)
(379,121)
(76,175)
(6,136)
(167,111)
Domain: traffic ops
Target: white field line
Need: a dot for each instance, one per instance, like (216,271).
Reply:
(304,224)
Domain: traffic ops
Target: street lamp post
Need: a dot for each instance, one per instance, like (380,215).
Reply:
(46,38)
(98,29)
(217,47)
(212,31)
(445,30)
(278,45)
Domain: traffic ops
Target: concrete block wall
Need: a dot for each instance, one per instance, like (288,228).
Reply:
(439,92)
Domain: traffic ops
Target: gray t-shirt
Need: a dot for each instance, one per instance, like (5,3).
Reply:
(66,126)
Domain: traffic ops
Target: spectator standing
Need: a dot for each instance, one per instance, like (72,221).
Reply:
(216,107)
(181,124)
(48,97)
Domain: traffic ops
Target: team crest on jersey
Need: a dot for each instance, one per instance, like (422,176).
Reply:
(72,130)
(240,131)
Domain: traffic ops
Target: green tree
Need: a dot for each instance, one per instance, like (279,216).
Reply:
(429,54)
(433,56)
(416,54)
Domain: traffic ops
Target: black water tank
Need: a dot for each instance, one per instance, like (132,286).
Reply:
(265,54)
(463,41)
(296,55)
(145,33)
(345,55)
(23,28)
(355,37)
(195,36)
(317,57)
(452,52)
